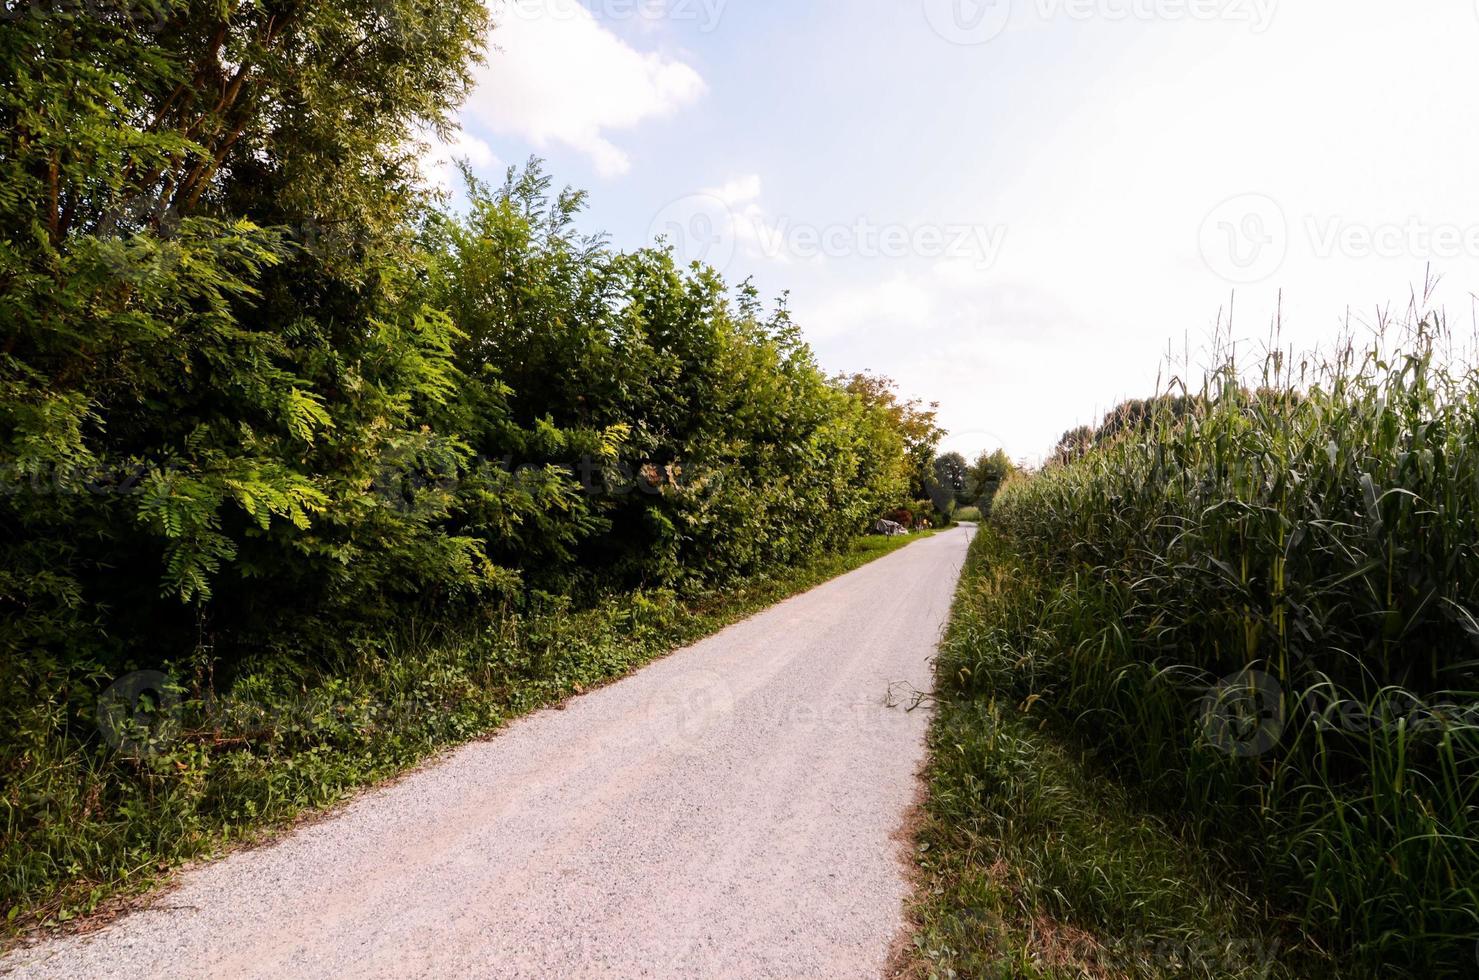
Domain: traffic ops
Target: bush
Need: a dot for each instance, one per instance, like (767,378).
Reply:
(263,405)
(926,514)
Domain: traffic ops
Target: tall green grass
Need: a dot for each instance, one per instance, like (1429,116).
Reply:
(1034,862)
(1259,603)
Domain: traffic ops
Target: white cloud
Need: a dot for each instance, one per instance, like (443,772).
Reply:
(557,76)
(739,191)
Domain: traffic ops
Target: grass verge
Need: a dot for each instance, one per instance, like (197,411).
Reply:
(84,827)
(1034,863)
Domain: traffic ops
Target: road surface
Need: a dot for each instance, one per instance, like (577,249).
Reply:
(734,810)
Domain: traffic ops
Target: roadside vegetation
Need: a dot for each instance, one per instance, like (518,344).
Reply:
(202,770)
(1035,860)
(356,473)
(1211,686)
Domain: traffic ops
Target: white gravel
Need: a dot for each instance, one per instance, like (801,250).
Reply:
(731,811)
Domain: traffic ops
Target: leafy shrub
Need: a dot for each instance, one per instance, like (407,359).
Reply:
(263,405)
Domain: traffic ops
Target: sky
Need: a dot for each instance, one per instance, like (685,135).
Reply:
(1015,208)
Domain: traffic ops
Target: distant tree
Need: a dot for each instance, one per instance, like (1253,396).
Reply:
(914,419)
(1132,415)
(1073,444)
(986,476)
(953,476)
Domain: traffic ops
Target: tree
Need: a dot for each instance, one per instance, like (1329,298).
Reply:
(987,476)
(1130,416)
(630,360)
(208,291)
(913,419)
(1073,444)
(953,476)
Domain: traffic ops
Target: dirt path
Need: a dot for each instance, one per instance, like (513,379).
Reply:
(730,811)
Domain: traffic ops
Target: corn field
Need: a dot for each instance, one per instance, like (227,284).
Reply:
(1258,601)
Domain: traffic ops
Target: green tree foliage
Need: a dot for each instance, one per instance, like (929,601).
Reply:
(195,384)
(1131,417)
(914,419)
(952,475)
(263,407)
(713,444)
(987,476)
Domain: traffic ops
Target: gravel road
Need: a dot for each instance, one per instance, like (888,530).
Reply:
(733,810)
